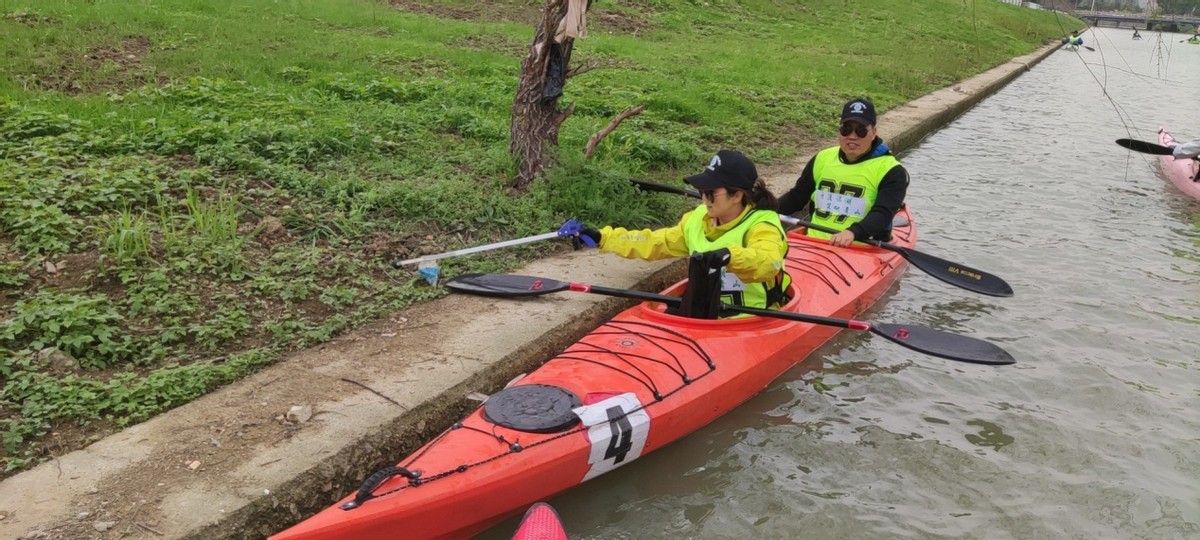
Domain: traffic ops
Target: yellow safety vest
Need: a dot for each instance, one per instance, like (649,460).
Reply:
(733,290)
(845,192)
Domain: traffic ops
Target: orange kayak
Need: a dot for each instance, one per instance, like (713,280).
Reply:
(635,384)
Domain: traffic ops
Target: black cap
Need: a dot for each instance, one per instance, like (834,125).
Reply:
(728,168)
(860,110)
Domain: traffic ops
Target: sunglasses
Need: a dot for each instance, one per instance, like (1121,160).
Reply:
(710,194)
(851,127)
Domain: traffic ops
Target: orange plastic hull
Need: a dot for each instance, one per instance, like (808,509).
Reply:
(669,375)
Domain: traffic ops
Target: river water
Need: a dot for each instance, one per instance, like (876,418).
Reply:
(1095,433)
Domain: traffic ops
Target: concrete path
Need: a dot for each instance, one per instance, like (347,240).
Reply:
(234,465)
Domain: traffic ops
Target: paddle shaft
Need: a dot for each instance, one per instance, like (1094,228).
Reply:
(782,217)
(674,301)
(959,275)
(918,338)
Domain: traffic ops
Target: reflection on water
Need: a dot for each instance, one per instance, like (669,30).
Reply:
(1093,434)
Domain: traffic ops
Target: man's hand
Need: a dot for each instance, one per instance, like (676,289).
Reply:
(842,239)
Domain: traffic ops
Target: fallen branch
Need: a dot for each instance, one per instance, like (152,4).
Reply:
(612,125)
(148,528)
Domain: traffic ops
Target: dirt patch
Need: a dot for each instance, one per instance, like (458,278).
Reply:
(494,11)
(68,271)
(607,20)
(494,43)
(29,19)
(106,68)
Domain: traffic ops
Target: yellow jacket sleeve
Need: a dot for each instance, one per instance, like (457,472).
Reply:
(762,258)
(646,244)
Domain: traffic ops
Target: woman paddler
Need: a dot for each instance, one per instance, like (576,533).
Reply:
(737,227)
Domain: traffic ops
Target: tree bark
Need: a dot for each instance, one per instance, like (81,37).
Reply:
(536,118)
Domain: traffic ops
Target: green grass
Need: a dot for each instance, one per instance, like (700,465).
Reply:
(190,189)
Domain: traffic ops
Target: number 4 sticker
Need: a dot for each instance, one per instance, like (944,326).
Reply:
(617,430)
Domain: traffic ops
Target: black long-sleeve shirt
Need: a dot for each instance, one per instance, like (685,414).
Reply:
(878,221)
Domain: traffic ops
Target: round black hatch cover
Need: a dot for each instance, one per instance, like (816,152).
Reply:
(536,408)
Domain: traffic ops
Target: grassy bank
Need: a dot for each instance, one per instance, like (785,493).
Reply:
(191,188)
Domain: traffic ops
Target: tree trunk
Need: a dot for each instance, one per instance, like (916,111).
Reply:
(535,117)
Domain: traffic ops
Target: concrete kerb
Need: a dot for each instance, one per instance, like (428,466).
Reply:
(230,465)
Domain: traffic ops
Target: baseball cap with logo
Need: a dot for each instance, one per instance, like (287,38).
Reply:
(728,168)
(860,110)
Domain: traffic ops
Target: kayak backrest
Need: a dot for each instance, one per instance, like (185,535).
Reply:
(702,298)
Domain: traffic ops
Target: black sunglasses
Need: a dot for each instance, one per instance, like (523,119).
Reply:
(851,127)
(710,194)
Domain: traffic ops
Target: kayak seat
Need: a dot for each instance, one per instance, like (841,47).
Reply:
(702,297)
(533,408)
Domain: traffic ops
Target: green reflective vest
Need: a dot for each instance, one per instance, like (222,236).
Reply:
(733,290)
(845,192)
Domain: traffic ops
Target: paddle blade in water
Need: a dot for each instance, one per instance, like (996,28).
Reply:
(956,274)
(506,285)
(943,344)
(1146,147)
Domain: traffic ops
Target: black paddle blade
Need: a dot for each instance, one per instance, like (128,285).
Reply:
(943,344)
(663,188)
(505,285)
(956,274)
(1146,147)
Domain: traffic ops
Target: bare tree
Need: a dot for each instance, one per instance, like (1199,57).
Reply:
(536,116)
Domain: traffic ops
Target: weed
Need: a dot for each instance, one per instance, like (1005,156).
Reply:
(126,239)
(85,326)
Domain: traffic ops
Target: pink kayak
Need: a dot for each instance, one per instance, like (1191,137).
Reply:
(541,522)
(1181,172)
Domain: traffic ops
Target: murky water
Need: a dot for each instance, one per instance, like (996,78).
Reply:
(1095,433)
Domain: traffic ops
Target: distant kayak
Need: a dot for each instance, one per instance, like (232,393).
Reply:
(1181,172)
(541,522)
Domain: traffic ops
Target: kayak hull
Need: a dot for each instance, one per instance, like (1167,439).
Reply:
(646,378)
(1181,172)
(541,522)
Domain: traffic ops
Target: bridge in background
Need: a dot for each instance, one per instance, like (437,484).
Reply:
(1121,19)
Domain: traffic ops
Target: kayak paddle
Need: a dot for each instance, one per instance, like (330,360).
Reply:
(918,338)
(1146,147)
(959,275)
